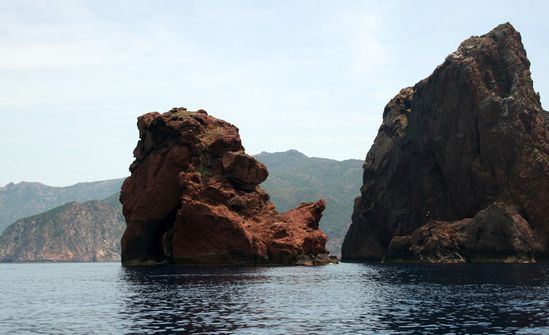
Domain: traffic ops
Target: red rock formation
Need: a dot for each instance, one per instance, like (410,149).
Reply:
(193,198)
(469,135)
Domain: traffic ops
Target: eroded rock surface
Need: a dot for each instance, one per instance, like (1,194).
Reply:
(496,234)
(471,134)
(193,197)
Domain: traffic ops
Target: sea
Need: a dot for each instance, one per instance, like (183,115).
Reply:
(347,298)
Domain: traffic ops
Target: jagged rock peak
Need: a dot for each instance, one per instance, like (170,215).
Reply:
(500,59)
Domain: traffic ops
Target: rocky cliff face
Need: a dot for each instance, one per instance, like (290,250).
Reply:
(469,139)
(193,198)
(74,232)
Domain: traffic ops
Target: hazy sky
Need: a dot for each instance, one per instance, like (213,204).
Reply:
(307,75)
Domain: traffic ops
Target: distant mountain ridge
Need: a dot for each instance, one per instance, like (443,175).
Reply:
(295,177)
(29,198)
(82,228)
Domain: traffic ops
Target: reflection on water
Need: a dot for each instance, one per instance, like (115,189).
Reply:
(335,299)
(206,300)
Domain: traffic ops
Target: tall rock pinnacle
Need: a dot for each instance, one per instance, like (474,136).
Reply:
(471,139)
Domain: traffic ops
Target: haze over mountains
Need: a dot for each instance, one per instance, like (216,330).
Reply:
(296,178)
(52,231)
(80,232)
(29,198)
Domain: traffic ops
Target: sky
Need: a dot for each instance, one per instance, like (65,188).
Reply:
(307,75)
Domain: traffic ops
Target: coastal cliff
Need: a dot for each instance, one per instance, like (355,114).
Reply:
(73,232)
(459,170)
(193,197)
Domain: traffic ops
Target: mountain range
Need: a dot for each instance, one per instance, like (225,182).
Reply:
(73,223)
(295,178)
(30,198)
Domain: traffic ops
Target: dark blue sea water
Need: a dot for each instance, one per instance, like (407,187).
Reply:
(104,298)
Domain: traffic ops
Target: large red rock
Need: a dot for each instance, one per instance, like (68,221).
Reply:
(193,198)
(471,134)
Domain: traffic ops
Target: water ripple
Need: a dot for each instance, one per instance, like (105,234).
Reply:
(104,298)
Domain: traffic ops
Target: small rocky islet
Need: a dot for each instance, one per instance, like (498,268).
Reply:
(193,197)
